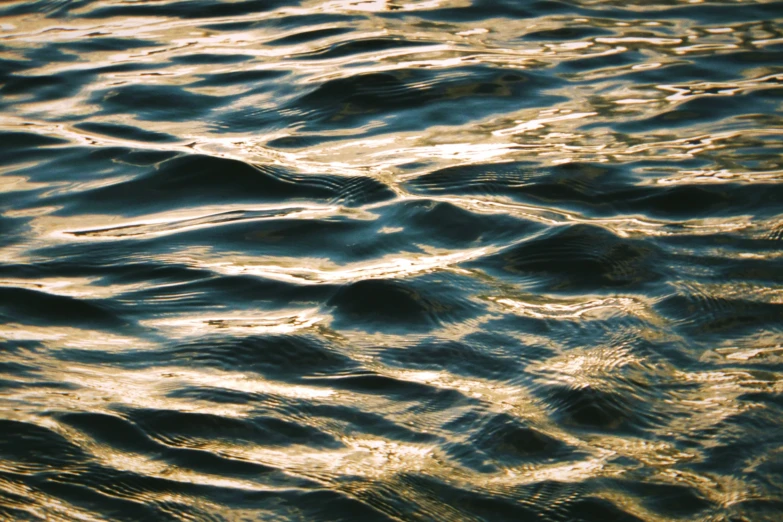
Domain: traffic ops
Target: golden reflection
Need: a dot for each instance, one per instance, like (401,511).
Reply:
(78,287)
(314,271)
(638,39)
(375,458)
(601,87)
(541,123)
(100,386)
(596,309)
(44,505)
(59,337)
(246,323)
(330,6)
(155,467)
(11,183)
(108,227)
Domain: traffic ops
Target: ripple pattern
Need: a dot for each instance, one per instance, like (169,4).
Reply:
(332,260)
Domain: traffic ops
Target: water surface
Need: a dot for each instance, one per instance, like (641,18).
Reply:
(413,260)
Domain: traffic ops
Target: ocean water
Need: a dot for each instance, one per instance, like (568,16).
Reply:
(404,260)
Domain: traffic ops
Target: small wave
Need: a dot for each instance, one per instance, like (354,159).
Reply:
(381,260)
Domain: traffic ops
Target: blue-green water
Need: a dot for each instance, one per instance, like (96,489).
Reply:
(384,260)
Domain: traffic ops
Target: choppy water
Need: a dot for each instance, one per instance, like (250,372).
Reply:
(437,260)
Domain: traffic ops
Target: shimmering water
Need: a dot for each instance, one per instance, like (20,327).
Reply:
(412,260)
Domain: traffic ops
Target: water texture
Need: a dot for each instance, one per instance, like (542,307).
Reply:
(416,260)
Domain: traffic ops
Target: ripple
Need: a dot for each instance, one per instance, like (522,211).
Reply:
(584,255)
(382,260)
(383,303)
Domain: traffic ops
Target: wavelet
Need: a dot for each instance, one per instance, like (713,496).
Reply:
(430,260)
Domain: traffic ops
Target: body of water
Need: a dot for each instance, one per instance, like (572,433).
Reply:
(423,260)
